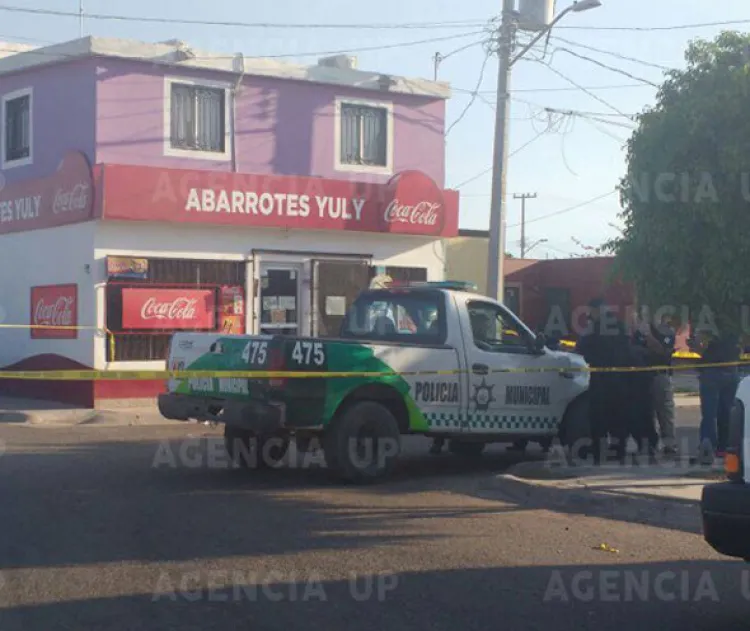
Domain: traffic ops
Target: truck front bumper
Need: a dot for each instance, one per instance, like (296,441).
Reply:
(257,417)
(726,518)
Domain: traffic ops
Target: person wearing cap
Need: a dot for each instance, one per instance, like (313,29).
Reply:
(605,346)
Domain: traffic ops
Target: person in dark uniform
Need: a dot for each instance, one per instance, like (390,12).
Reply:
(606,345)
(643,353)
(718,388)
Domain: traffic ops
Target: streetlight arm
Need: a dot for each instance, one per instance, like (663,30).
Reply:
(542,33)
(580,5)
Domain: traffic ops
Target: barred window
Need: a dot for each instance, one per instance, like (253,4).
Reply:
(197,118)
(18,128)
(364,135)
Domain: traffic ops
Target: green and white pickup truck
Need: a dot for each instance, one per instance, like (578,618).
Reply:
(432,359)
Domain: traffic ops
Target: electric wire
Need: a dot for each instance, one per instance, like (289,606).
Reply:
(473,98)
(280,25)
(611,53)
(625,73)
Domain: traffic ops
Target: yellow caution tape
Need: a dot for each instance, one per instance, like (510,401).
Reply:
(141,375)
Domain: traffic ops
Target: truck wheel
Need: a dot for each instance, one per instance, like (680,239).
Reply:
(363,444)
(248,451)
(575,431)
(466,448)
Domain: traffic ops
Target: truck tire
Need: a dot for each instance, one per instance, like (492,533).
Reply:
(363,443)
(575,431)
(248,451)
(466,448)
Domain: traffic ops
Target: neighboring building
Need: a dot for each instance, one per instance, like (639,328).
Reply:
(549,294)
(151,187)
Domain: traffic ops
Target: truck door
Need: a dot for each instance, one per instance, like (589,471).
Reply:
(514,402)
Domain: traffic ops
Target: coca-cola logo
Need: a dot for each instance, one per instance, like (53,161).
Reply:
(178,309)
(57,313)
(414,204)
(420,214)
(76,198)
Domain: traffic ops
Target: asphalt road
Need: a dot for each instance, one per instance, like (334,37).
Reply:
(131,529)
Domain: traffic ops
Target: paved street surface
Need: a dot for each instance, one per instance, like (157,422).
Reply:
(95,536)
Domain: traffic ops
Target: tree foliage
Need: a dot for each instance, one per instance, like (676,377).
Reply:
(686,194)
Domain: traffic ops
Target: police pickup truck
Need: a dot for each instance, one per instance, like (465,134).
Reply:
(430,359)
(726,505)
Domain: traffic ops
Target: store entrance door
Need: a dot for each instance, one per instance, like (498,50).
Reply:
(279,298)
(336,283)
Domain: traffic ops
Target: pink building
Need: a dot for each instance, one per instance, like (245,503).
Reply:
(148,188)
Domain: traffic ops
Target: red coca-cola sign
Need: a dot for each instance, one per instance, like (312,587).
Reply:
(415,203)
(409,203)
(170,309)
(54,312)
(64,197)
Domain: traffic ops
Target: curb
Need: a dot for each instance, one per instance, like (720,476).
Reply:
(520,491)
(93,418)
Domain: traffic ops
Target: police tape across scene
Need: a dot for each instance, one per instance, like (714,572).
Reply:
(140,375)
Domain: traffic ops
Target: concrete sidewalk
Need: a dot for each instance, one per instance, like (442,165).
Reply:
(51,413)
(668,480)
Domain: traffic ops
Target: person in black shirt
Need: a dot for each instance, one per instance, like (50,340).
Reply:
(606,346)
(643,353)
(718,388)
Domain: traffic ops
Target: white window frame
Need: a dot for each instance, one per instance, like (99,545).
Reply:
(11,96)
(364,168)
(228,123)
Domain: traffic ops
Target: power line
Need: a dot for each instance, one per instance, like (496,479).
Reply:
(291,55)
(580,87)
(593,88)
(647,29)
(171,20)
(593,116)
(613,54)
(601,130)
(474,95)
(486,171)
(605,66)
(567,210)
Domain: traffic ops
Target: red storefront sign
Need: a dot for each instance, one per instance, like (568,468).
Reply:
(168,309)
(64,197)
(410,203)
(54,306)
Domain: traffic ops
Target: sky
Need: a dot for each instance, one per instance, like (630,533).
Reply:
(567,160)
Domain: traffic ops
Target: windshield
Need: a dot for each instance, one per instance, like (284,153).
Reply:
(413,317)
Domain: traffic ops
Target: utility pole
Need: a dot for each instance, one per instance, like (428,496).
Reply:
(437,58)
(496,258)
(506,36)
(80,18)
(523,197)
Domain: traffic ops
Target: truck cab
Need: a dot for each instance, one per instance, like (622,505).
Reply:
(434,359)
(725,506)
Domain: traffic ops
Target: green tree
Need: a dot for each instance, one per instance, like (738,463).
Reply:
(686,195)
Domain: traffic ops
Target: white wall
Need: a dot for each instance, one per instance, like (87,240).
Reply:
(53,256)
(226,243)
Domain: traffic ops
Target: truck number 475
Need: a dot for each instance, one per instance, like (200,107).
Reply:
(306,353)
(255,353)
